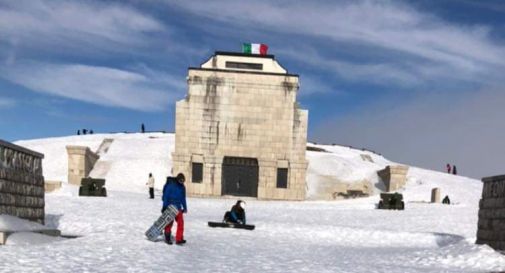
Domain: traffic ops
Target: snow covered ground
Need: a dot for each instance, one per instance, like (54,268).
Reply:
(308,236)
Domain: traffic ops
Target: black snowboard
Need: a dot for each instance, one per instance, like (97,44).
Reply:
(230,225)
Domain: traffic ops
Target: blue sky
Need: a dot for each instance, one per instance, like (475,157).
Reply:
(420,82)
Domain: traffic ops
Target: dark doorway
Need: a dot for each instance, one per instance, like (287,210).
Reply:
(240,176)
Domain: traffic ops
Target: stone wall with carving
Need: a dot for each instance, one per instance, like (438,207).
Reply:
(21,182)
(491,226)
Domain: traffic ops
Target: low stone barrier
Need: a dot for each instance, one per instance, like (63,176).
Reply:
(491,225)
(21,182)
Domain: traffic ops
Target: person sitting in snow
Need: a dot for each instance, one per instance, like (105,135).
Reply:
(446,200)
(236,214)
(174,193)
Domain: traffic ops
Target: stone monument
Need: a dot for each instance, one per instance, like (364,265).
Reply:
(240,130)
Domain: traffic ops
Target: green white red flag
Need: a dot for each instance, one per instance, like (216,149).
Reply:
(249,48)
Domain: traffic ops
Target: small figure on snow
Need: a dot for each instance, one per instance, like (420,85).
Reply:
(78,132)
(448,168)
(150,184)
(142,128)
(236,214)
(446,200)
(454,170)
(174,193)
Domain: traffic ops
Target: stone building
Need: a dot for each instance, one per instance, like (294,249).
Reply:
(240,131)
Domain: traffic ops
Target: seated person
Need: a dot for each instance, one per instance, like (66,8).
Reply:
(446,200)
(236,214)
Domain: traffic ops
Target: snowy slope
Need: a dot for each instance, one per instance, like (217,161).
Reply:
(126,164)
(131,157)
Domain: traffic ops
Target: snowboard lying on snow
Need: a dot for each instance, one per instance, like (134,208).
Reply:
(157,228)
(230,225)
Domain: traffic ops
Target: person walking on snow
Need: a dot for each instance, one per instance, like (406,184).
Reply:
(174,193)
(150,184)
(448,168)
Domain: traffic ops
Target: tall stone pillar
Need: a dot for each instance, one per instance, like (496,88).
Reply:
(80,163)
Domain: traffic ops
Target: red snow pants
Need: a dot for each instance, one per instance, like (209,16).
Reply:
(179,235)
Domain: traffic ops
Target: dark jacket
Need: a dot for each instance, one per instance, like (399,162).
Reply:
(237,213)
(174,193)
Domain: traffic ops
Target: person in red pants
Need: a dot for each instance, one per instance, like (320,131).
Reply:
(174,193)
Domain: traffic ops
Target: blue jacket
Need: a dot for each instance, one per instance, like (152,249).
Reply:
(174,193)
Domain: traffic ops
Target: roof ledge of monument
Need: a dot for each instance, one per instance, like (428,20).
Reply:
(223,61)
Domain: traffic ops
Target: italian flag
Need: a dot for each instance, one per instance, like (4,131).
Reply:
(260,49)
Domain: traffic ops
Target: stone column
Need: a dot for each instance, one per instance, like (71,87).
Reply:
(394,177)
(435,195)
(80,163)
(491,225)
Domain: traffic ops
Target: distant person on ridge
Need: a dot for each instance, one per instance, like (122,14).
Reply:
(142,128)
(150,184)
(84,131)
(454,171)
(448,168)
(78,132)
(174,193)
(236,214)
(90,132)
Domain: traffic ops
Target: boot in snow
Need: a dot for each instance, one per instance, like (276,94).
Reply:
(168,238)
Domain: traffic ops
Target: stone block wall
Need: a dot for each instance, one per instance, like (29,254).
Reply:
(394,177)
(21,182)
(491,225)
(80,163)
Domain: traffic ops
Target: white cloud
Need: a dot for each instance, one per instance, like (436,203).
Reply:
(430,130)
(74,25)
(94,84)
(422,41)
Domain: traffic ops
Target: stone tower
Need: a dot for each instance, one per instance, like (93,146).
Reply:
(239,130)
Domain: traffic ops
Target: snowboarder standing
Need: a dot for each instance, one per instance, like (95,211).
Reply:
(236,214)
(142,128)
(454,171)
(174,193)
(150,184)
(448,168)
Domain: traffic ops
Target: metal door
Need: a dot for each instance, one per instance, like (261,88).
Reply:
(239,176)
